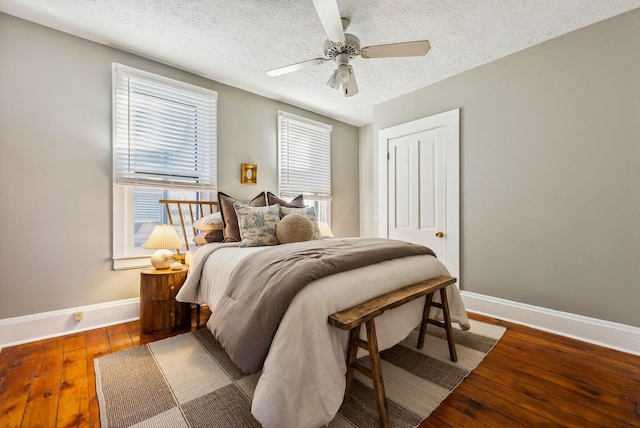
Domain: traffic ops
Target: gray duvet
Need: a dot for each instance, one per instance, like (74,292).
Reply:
(263,285)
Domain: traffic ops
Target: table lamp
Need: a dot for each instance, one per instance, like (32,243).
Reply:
(164,239)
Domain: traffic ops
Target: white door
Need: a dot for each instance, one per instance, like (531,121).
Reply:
(417,189)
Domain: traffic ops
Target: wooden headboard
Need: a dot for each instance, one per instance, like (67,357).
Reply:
(186,213)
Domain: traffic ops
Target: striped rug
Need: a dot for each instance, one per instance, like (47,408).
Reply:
(188,381)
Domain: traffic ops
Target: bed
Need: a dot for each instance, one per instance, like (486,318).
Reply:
(302,380)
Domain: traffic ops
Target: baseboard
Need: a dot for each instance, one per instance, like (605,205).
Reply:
(29,328)
(612,335)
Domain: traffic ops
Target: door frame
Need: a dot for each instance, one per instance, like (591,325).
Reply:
(451,121)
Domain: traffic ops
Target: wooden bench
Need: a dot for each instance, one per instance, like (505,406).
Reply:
(351,319)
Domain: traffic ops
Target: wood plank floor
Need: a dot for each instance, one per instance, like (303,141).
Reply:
(531,378)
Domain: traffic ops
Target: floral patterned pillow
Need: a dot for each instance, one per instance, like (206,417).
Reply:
(257,224)
(309,213)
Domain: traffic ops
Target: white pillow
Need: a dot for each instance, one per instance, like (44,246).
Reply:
(210,222)
(309,213)
(257,224)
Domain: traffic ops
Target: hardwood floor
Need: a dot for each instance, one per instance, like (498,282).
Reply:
(531,378)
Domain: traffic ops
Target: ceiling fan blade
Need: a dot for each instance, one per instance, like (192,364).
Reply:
(295,67)
(350,87)
(329,15)
(417,48)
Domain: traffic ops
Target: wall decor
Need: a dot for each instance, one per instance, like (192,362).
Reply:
(249,173)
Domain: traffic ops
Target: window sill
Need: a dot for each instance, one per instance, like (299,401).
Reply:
(132,262)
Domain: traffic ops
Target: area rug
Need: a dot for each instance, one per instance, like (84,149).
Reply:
(188,381)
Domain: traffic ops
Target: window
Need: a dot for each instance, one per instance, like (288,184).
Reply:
(164,147)
(304,162)
(147,212)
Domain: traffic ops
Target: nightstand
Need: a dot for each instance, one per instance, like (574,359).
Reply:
(160,312)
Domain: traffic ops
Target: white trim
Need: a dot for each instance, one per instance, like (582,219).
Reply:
(116,67)
(450,120)
(310,122)
(133,262)
(612,335)
(29,328)
(124,255)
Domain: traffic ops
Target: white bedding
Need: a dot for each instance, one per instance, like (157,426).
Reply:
(303,379)
(189,254)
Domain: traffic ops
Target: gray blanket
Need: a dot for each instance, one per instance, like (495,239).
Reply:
(263,284)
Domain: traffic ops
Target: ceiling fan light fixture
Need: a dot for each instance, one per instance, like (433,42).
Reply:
(342,73)
(333,80)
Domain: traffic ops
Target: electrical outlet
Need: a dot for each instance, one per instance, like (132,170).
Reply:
(77,316)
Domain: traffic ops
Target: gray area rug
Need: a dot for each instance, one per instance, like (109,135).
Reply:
(188,381)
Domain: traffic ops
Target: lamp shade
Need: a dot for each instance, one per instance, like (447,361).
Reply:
(163,237)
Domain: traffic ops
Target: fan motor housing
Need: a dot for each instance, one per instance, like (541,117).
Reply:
(350,47)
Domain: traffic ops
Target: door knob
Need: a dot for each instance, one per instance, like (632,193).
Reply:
(439,234)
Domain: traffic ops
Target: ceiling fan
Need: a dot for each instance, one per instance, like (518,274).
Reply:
(342,47)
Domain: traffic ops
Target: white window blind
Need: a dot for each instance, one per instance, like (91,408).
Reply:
(164,132)
(146,208)
(304,157)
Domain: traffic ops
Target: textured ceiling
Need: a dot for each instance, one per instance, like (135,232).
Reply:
(236,41)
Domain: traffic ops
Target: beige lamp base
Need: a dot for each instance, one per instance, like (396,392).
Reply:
(162,259)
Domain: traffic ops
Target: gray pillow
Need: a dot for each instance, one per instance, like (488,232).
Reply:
(229,217)
(208,236)
(297,202)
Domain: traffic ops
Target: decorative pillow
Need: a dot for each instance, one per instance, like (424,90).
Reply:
(309,213)
(208,236)
(199,238)
(257,225)
(214,236)
(297,202)
(210,222)
(294,228)
(229,217)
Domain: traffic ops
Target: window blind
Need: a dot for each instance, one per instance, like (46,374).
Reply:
(146,208)
(164,132)
(304,157)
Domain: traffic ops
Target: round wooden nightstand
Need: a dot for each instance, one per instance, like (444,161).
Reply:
(160,312)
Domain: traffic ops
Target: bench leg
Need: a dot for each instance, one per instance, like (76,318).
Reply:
(352,350)
(376,374)
(444,305)
(425,320)
(447,325)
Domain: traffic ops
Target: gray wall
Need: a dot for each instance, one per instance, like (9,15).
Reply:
(55,165)
(550,170)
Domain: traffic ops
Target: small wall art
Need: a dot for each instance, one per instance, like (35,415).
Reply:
(249,173)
